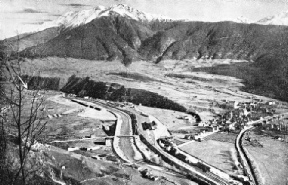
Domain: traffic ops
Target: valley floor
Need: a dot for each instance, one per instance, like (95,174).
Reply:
(177,80)
(203,93)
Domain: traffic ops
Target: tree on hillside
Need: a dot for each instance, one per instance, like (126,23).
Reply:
(127,61)
(23,121)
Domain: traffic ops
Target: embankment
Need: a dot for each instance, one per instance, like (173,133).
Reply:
(38,82)
(117,92)
(103,90)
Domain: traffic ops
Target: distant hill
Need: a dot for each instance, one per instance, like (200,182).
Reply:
(23,41)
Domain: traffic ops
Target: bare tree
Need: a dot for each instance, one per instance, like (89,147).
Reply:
(24,116)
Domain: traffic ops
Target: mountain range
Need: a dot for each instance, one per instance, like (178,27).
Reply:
(123,33)
(120,29)
(118,37)
(76,18)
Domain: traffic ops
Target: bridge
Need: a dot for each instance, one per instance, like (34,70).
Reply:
(111,137)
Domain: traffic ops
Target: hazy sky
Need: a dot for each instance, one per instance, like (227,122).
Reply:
(27,15)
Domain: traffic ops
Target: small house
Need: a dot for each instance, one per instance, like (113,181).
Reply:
(231,126)
(215,128)
(149,126)
(203,124)
(189,137)
(108,141)
(270,103)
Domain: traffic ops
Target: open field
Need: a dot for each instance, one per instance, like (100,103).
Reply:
(171,119)
(71,124)
(272,158)
(223,137)
(219,154)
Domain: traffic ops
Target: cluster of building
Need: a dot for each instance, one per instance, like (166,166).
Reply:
(201,133)
(275,125)
(67,95)
(236,118)
(149,126)
(51,116)
(242,113)
(147,174)
(98,141)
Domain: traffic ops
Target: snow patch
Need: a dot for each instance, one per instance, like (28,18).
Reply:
(244,20)
(280,19)
(77,18)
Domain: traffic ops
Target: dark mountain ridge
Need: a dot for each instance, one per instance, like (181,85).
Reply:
(116,37)
(18,43)
(107,38)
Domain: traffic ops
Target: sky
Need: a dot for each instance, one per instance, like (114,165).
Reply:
(20,16)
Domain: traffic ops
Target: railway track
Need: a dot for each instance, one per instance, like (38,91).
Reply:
(211,177)
(205,177)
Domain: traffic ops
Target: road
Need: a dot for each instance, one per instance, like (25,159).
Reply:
(126,144)
(243,157)
(245,161)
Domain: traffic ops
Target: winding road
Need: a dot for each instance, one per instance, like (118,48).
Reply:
(244,159)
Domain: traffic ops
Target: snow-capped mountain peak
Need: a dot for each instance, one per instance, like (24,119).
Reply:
(77,18)
(125,10)
(280,19)
(243,19)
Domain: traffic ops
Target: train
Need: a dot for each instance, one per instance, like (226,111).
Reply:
(199,164)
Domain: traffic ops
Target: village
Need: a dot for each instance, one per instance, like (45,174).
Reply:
(237,117)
